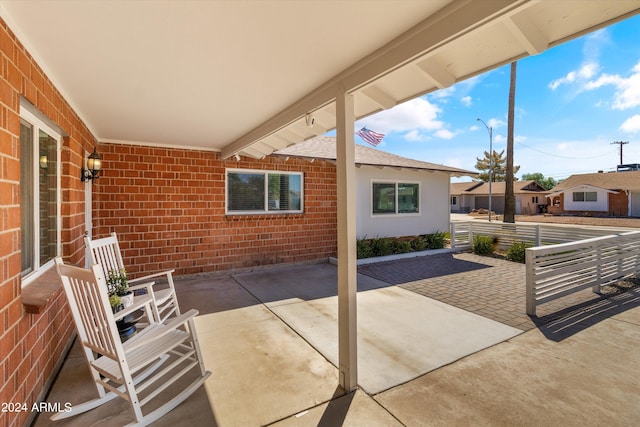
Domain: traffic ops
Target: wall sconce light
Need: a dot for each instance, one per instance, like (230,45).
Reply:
(94,165)
(309,120)
(44,161)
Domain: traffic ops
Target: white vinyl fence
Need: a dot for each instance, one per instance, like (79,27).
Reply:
(535,234)
(559,270)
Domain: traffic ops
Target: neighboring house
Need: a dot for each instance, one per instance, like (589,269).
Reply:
(396,196)
(467,196)
(614,194)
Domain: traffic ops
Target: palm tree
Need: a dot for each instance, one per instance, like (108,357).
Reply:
(509,196)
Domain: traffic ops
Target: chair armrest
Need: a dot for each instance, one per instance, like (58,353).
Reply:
(138,302)
(158,330)
(148,286)
(150,276)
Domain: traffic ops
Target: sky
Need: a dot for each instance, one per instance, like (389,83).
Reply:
(572,102)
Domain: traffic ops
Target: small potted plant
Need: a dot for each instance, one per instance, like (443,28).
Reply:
(118,288)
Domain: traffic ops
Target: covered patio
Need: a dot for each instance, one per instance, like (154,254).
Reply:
(174,94)
(269,339)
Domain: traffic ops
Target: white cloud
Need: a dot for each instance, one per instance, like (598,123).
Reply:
(444,134)
(413,136)
(627,93)
(631,125)
(417,114)
(581,75)
(466,101)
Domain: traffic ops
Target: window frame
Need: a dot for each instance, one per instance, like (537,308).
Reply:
(38,124)
(265,210)
(396,183)
(584,196)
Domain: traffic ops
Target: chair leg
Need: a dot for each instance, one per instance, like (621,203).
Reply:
(171,404)
(94,403)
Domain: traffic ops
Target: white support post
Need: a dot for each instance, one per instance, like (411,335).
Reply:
(538,243)
(530,282)
(347,272)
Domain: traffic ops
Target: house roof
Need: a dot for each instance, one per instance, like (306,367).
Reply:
(482,188)
(239,76)
(324,147)
(609,181)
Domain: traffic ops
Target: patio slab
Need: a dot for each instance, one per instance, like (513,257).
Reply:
(587,379)
(401,335)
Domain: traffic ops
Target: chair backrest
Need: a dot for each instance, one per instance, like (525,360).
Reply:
(106,253)
(90,308)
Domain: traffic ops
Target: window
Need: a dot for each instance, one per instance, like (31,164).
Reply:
(260,192)
(392,198)
(40,193)
(585,196)
(454,200)
(534,199)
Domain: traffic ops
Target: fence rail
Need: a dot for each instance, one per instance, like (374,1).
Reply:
(559,270)
(535,234)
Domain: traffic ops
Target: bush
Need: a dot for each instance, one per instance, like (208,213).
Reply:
(516,252)
(382,246)
(435,240)
(402,247)
(363,249)
(483,245)
(419,244)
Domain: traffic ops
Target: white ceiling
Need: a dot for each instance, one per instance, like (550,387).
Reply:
(239,76)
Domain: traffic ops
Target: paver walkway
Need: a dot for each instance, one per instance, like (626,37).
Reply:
(491,287)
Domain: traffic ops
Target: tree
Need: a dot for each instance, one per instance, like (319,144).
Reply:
(546,183)
(509,195)
(499,167)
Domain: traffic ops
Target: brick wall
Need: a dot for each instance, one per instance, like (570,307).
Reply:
(168,208)
(31,344)
(619,204)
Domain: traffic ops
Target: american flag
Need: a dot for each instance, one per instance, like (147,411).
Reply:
(370,136)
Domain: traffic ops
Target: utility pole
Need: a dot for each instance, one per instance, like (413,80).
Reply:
(620,143)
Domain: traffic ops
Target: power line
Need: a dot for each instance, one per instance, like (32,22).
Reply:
(565,157)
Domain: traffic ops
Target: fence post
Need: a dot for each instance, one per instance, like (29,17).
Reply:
(538,235)
(452,234)
(598,286)
(530,281)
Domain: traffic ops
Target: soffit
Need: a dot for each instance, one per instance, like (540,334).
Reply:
(239,77)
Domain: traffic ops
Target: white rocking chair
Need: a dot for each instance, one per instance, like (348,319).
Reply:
(106,252)
(142,367)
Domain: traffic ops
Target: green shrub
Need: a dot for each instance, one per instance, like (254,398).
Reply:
(419,244)
(516,252)
(435,240)
(402,247)
(363,248)
(382,246)
(483,245)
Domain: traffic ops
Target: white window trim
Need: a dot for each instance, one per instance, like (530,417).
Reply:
(266,210)
(39,124)
(396,182)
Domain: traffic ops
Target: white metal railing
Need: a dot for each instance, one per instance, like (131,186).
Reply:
(562,269)
(535,234)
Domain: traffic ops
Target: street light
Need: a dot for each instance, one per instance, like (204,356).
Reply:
(490,130)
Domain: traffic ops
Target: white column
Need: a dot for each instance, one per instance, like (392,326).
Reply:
(347,273)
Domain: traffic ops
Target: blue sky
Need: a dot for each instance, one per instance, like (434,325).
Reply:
(572,102)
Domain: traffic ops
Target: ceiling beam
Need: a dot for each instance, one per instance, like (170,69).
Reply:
(379,96)
(458,18)
(527,33)
(438,75)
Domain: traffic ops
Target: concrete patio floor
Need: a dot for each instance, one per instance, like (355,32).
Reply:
(270,339)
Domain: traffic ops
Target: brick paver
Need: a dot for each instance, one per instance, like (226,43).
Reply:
(490,287)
